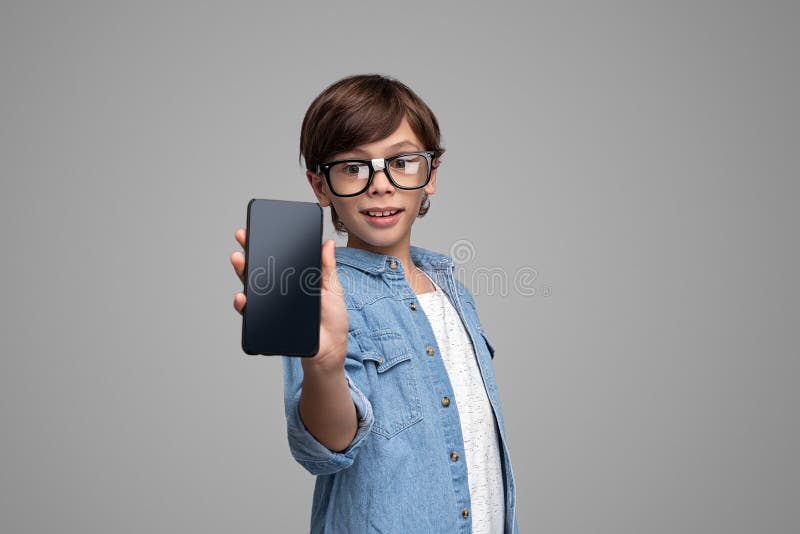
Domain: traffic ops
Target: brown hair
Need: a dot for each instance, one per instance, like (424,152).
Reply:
(362,109)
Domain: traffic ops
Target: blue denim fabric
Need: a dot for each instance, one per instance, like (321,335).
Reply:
(397,475)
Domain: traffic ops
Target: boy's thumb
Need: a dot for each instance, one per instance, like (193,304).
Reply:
(330,279)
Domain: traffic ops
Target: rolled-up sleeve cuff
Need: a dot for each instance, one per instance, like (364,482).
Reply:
(313,455)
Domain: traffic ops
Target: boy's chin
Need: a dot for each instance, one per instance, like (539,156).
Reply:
(378,238)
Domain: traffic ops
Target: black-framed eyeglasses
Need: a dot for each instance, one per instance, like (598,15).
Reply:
(351,177)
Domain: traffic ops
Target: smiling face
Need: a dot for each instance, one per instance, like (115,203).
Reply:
(387,235)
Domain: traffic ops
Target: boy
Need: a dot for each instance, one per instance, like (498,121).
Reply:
(398,414)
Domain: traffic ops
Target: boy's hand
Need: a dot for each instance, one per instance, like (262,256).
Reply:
(334,322)
(237,259)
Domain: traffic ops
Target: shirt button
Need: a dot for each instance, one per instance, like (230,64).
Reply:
(429,350)
(465,513)
(445,401)
(412,306)
(380,359)
(454,456)
(393,264)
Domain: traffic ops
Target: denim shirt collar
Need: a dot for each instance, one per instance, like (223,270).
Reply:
(375,262)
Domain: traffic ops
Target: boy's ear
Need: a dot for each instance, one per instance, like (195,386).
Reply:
(430,187)
(317,182)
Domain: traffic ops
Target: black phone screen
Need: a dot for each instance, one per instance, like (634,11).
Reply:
(283,264)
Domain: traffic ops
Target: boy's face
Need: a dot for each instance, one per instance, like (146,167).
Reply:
(363,230)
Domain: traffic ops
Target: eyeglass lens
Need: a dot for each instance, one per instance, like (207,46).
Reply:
(350,177)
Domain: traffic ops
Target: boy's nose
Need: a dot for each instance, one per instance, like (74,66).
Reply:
(381,181)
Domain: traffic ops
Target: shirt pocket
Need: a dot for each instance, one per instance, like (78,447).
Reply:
(396,404)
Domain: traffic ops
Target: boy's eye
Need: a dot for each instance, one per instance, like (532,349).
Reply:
(407,164)
(354,169)
(350,171)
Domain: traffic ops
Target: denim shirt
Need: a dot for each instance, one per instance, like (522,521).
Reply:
(397,475)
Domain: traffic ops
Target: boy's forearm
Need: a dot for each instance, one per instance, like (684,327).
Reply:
(327,408)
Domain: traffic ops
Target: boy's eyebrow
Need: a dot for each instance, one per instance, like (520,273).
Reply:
(402,143)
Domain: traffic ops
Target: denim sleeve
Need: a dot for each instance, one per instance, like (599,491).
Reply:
(315,457)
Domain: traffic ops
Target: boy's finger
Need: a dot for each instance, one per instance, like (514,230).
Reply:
(239,301)
(330,279)
(237,260)
(241,236)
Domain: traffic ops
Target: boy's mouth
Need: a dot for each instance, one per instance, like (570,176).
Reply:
(382,216)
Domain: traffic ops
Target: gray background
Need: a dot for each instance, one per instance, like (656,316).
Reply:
(641,157)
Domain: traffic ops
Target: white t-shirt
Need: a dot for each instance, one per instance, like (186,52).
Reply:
(478,426)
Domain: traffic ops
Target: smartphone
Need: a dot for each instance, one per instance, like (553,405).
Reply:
(283,278)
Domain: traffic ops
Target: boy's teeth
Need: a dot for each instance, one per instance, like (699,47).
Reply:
(382,213)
